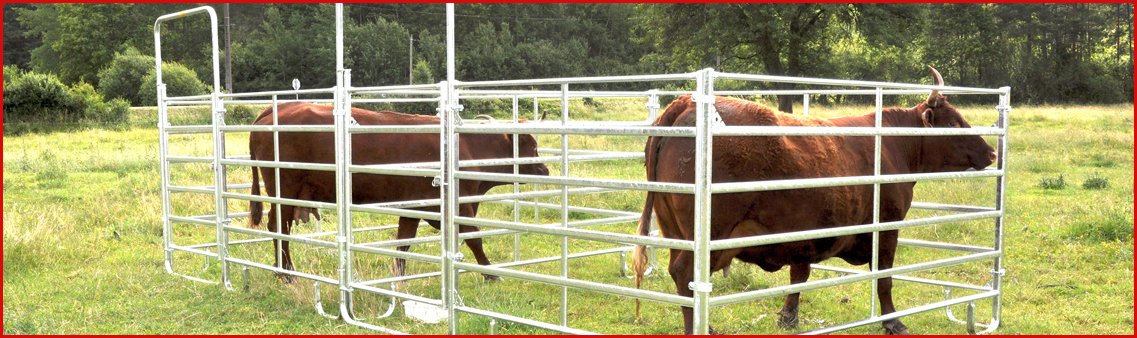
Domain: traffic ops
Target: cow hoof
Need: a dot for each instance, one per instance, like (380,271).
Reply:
(894,327)
(286,278)
(492,278)
(787,320)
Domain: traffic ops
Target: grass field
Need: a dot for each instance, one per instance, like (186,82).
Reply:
(83,242)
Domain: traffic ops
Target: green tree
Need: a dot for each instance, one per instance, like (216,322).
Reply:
(179,79)
(123,77)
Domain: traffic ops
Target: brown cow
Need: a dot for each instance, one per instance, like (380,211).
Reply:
(791,157)
(372,149)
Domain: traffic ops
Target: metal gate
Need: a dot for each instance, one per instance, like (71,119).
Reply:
(592,230)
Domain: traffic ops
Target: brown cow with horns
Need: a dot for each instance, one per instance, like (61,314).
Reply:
(791,157)
(366,149)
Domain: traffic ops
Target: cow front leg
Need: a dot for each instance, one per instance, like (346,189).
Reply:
(475,245)
(788,317)
(408,228)
(884,285)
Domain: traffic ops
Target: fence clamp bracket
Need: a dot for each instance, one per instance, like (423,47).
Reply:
(1003,108)
(1000,272)
(437,182)
(700,287)
(457,256)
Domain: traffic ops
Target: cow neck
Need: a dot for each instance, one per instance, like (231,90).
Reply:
(902,147)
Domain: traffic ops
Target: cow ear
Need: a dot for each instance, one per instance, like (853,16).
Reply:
(927,118)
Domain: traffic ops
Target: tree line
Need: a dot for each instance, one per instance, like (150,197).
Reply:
(1048,53)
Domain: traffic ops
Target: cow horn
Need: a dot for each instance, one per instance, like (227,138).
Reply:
(935,92)
(485,117)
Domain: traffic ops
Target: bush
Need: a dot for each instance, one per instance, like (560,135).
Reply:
(1095,182)
(96,109)
(1051,183)
(41,97)
(10,74)
(123,78)
(179,80)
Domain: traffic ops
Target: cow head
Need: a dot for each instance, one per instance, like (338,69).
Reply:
(954,152)
(527,147)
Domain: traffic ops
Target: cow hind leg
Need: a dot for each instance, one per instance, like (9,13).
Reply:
(284,259)
(788,316)
(408,228)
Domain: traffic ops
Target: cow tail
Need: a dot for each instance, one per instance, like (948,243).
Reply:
(255,207)
(651,152)
(639,255)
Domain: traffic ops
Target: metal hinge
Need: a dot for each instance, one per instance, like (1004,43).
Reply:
(700,287)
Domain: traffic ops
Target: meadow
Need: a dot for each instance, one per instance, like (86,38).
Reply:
(83,242)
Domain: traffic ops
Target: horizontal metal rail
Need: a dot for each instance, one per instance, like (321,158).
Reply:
(572,80)
(501,265)
(193,250)
(396,254)
(384,89)
(392,169)
(557,230)
(813,285)
(949,207)
(905,278)
(594,211)
(802,183)
(191,220)
(274,269)
(524,321)
(274,200)
(488,198)
(851,83)
(280,164)
(849,131)
(907,312)
(579,284)
(396,294)
(194,129)
(282,128)
(295,239)
(419,129)
(686,188)
(943,246)
(578,129)
(279,92)
(742,242)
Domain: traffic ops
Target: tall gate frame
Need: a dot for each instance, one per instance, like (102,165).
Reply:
(447,173)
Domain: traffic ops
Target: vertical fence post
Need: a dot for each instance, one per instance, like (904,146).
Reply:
(997,271)
(875,264)
(218,108)
(706,118)
(516,186)
(164,168)
(564,201)
(449,147)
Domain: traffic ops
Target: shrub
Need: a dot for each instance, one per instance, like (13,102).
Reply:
(10,74)
(96,109)
(123,77)
(1095,182)
(1051,183)
(179,80)
(35,96)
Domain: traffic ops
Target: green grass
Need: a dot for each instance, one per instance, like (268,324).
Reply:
(83,246)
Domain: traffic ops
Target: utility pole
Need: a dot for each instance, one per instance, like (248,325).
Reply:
(228,59)
(411,61)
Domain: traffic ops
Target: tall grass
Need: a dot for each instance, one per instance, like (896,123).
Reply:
(83,246)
